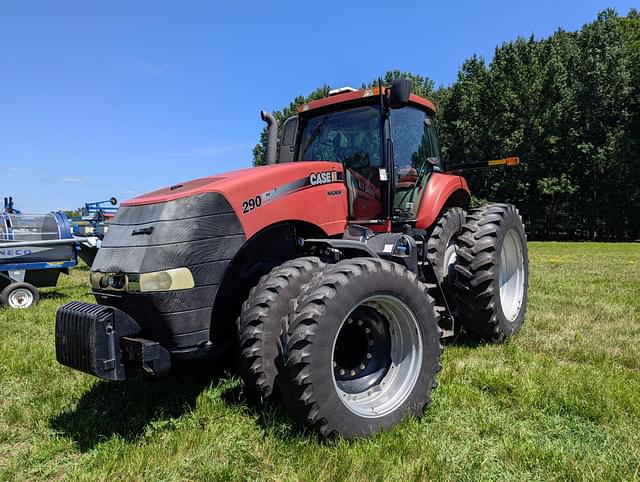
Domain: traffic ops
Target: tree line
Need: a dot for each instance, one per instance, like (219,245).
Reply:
(568,106)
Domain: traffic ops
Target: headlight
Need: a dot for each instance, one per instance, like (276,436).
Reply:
(169,280)
(108,281)
(158,281)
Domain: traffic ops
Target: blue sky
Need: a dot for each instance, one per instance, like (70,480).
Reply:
(116,98)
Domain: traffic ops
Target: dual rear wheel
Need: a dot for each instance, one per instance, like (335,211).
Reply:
(481,260)
(490,287)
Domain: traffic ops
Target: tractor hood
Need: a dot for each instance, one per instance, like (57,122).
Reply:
(193,187)
(264,195)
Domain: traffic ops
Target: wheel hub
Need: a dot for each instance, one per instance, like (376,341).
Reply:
(362,352)
(377,356)
(20,298)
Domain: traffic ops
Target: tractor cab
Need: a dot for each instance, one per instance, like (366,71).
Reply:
(385,139)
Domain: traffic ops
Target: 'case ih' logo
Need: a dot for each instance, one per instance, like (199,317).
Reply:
(323,177)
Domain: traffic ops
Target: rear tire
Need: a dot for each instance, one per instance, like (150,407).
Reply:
(260,322)
(19,296)
(492,273)
(362,349)
(443,243)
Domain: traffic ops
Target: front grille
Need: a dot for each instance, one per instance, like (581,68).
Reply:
(200,232)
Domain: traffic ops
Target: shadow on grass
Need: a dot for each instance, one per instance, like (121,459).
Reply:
(125,409)
(54,295)
(463,339)
(270,415)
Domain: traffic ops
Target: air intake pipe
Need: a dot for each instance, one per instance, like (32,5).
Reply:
(272,136)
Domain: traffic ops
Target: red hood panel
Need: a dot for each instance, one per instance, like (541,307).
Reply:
(183,189)
(288,192)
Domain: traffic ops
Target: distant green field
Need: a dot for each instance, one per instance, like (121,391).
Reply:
(559,401)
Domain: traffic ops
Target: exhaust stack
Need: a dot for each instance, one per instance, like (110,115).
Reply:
(272,136)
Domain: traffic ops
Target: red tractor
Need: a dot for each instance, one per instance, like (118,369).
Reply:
(335,270)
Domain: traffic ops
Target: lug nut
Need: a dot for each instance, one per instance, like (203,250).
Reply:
(362,367)
(349,321)
(367,330)
(370,342)
(359,322)
(341,372)
(369,356)
(353,372)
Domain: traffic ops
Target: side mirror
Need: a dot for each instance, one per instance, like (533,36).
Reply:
(288,140)
(400,91)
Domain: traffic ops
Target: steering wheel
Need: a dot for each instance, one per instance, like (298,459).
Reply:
(354,158)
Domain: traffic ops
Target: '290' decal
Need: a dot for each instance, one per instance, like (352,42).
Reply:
(251,204)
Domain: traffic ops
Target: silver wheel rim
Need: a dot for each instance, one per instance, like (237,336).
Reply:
(511,275)
(20,298)
(450,257)
(405,360)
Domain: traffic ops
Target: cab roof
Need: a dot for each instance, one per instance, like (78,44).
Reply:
(357,95)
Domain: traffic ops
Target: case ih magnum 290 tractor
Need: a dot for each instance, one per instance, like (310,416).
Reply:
(334,270)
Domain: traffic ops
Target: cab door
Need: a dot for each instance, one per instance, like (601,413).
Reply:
(416,156)
(363,180)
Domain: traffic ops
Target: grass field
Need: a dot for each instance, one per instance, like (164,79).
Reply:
(559,401)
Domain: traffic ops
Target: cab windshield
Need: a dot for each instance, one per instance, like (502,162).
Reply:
(351,137)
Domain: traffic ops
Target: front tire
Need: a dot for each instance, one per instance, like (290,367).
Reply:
(260,322)
(362,349)
(492,273)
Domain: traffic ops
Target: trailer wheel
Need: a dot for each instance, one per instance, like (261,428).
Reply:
(492,272)
(260,322)
(362,349)
(19,295)
(442,245)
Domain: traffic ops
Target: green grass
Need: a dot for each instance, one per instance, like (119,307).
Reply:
(559,401)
